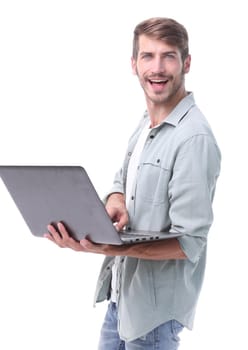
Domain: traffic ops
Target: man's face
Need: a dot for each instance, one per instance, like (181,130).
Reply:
(160,70)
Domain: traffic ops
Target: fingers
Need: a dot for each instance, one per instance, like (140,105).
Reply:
(61,237)
(118,214)
(53,235)
(64,233)
(123,220)
(111,212)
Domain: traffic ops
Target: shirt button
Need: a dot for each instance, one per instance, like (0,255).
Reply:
(132,198)
(151,136)
(129,154)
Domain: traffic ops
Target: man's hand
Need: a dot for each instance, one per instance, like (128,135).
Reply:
(61,237)
(116,209)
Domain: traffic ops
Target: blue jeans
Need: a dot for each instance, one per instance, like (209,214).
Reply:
(164,337)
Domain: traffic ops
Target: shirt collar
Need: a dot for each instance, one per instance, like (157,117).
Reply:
(179,111)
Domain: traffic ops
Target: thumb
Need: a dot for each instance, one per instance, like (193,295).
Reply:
(123,220)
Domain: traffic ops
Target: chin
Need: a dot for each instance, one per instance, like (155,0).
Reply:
(160,99)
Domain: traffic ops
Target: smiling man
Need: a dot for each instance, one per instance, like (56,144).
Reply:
(160,68)
(167,182)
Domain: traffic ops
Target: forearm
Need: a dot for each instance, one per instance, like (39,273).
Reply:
(160,250)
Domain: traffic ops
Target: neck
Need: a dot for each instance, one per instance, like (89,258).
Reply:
(160,111)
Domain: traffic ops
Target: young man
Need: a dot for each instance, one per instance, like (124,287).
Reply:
(167,182)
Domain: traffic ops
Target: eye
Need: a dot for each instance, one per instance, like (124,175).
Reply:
(146,56)
(170,56)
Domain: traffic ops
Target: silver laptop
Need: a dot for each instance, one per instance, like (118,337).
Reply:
(49,194)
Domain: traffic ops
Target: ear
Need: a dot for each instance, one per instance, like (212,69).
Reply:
(186,64)
(134,65)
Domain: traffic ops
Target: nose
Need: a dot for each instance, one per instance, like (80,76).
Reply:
(158,65)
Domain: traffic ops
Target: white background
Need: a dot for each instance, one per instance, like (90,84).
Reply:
(67,96)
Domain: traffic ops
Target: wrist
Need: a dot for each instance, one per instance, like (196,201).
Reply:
(116,196)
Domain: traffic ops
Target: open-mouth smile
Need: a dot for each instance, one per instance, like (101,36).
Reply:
(158,84)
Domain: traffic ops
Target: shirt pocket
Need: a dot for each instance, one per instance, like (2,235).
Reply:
(152,183)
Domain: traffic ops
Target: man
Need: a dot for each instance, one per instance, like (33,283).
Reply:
(167,182)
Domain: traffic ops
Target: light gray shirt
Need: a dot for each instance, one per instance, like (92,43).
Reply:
(173,190)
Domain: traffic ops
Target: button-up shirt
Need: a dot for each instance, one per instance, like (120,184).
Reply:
(173,190)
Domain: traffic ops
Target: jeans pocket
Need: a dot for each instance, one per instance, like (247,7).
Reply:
(176,328)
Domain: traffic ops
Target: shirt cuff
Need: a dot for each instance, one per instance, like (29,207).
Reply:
(192,246)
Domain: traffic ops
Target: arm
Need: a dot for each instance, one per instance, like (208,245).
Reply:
(191,192)
(115,206)
(160,250)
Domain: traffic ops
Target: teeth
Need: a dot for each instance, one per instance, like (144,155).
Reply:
(158,81)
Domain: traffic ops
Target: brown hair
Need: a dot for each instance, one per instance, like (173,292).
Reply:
(165,29)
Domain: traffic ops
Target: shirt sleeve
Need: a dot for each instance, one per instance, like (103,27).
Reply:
(117,186)
(191,192)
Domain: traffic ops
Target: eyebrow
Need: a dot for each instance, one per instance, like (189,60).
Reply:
(145,52)
(171,52)
(163,53)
